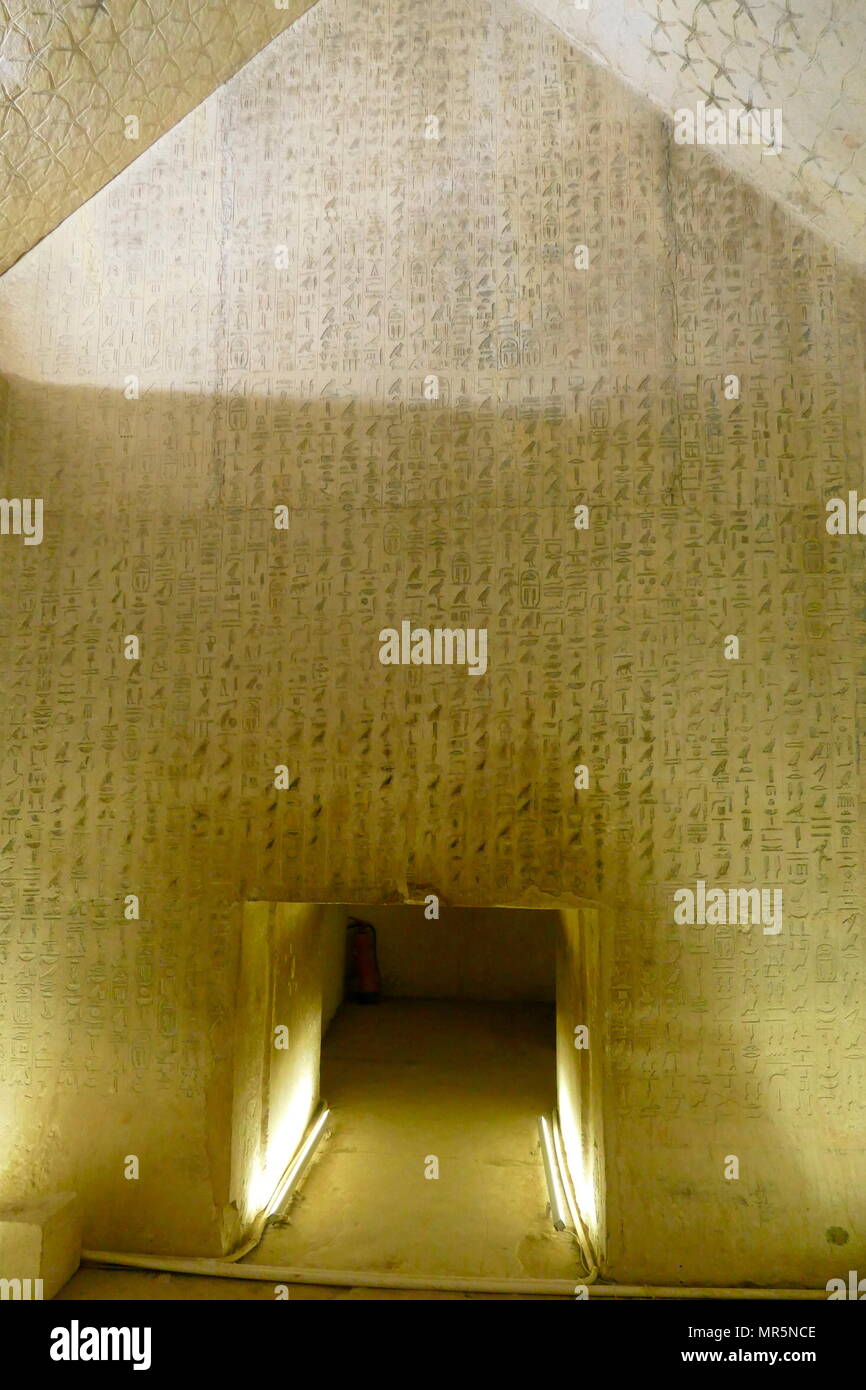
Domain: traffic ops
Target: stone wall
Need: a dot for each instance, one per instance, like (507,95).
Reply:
(278,279)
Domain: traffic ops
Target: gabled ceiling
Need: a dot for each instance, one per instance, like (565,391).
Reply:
(806,58)
(71,72)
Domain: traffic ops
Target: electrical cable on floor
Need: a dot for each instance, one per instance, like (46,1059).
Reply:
(377,1279)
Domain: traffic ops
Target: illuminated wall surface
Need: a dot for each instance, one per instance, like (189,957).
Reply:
(580,1084)
(290,983)
(310,295)
(808,62)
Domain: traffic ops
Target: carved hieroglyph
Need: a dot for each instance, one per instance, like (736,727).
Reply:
(249,317)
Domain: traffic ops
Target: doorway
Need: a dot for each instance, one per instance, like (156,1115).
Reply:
(433,1164)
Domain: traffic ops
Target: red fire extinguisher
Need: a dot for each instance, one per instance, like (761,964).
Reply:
(365,982)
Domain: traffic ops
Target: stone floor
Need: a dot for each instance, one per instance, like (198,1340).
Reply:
(415,1080)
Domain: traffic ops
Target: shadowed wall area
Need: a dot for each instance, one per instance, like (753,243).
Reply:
(278,278)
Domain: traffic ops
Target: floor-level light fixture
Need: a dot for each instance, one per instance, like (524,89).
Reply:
(301,1161)
(564,1175)
(551,1172)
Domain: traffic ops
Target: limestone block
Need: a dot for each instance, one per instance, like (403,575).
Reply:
(40,1239)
